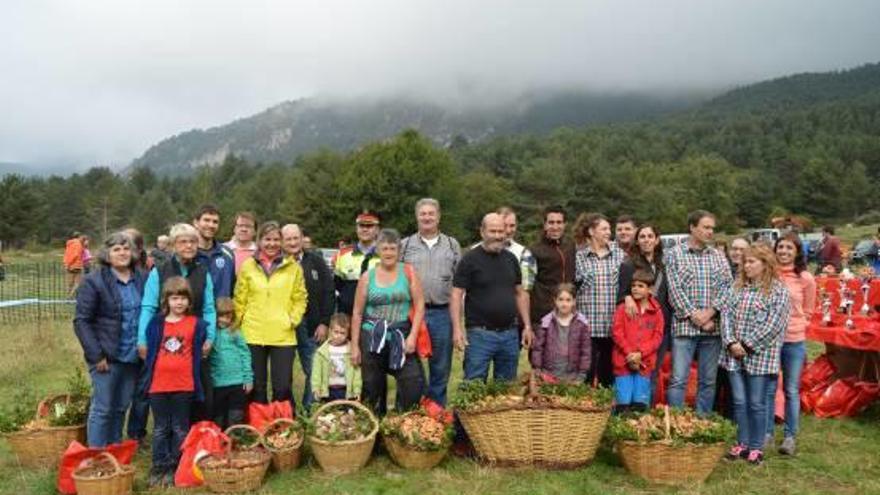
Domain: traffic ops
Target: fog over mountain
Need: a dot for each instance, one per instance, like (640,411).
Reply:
(98,82)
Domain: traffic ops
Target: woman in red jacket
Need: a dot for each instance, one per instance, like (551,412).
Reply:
(636,340)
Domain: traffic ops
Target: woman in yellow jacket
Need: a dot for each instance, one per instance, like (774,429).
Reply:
(270,299)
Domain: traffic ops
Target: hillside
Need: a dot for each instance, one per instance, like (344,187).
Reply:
(294,128)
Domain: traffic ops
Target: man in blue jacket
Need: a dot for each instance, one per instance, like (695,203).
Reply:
(219,259)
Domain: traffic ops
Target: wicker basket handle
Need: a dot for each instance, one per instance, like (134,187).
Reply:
(117,469)
(354,404)
(667,422)
(245,427)
(44,404)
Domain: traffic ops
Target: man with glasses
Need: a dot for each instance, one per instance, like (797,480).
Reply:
(351,262)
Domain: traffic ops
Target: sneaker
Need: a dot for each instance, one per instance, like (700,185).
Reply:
(168,479)
(768,441)
(787,447)
(156,478)
(756,457)
(738,451)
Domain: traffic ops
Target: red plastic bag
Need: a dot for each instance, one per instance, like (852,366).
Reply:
(78,453)
(436,411)
(260,415)
(867,393)
(423,338)
(204,438)
(836,398)
(809,397)
(818,372)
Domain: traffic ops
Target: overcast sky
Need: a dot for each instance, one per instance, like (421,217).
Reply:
(97,82)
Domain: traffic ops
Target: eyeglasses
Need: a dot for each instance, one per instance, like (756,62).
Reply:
(244,226)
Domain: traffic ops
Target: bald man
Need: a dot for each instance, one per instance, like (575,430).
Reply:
(321,302)
(496,302)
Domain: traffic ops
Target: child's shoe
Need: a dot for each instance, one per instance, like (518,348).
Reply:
(756,457)
(787,447)
(738,451)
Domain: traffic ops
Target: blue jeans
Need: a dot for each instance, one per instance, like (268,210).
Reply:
(111,394)
(140,407)
(683,348)
(440,363)
(488,346)
(306,347)
(792,363)
(171,412)
(632,389)
(749,394)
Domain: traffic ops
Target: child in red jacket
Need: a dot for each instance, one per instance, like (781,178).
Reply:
(636,340)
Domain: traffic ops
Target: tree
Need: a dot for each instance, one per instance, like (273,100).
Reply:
(19,207)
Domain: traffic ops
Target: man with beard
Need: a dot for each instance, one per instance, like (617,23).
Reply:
(496,302)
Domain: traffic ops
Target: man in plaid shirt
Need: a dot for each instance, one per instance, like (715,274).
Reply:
(597,268)
(699,289)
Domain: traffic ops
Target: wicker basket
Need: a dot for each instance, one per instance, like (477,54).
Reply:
(287,458)
(43,447)
(346,456)
(662,462)
(410,458)
(118,483)
(236,471)
(546,435)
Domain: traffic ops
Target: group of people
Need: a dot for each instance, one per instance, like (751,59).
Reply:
(199,330)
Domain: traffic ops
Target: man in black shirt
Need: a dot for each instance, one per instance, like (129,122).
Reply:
(490,278)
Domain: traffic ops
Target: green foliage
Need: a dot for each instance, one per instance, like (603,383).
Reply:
(685,427)
(18,412)
(75,412)
(600,396)
(470,392)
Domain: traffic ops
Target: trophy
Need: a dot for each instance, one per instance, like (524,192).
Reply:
(842,291)
(850,324)
(826,308)
(866,289)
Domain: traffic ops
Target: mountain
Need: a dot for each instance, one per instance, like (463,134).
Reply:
(799,90)
(293,128)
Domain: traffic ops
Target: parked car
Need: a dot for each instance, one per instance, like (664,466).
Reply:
(671,240)
(768,236)
(864,252)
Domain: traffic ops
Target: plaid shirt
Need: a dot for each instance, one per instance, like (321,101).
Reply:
(697,279)
(596,280)
(757,321)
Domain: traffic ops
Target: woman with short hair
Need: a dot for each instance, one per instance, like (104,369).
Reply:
(106,323)
(270,300)
(389,308)
(184,239)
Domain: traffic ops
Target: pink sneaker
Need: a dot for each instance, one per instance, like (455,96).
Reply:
(738,451)
(756,457)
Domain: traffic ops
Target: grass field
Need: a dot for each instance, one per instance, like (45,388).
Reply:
(836,456)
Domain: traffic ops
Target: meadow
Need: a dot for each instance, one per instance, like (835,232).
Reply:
(835,456)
